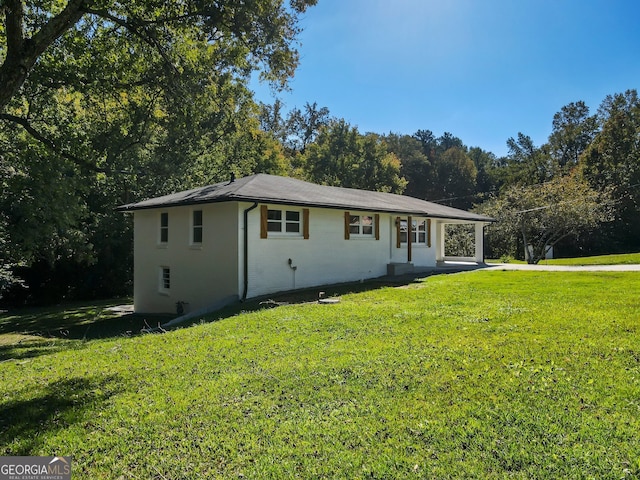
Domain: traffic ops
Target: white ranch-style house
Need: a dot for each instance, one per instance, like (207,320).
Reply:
(263,234)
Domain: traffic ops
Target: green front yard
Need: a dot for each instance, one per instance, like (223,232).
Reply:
(483,374)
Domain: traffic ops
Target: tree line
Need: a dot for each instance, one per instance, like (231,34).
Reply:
(105,103)
(577,193)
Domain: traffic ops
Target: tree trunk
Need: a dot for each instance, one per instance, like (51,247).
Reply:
(527,256)
(22,53)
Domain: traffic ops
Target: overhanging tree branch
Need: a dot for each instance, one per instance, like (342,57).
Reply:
(22,53)
(137,28)
(139,22)
(50,144)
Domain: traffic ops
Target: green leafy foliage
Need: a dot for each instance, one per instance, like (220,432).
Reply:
(104,103)
(436,169)
(164,41)
(612,160)
(573,131)
(527,164)
(304,125)
(603,149)
(542,215)
(459,240)
(341,156)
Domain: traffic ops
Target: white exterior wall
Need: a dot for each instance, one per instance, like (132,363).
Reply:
(205,274)
(421,254)
(200,274)
(326,257)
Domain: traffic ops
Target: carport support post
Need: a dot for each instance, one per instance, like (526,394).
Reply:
(409,237)
(479,242)
(440,240)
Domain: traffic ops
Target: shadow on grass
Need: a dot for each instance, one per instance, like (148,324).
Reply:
(76,321)
(29,347)
(26,333)
(43,326)
(26,423)
(309,295)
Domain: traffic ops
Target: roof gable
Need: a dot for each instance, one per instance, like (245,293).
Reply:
(290,191)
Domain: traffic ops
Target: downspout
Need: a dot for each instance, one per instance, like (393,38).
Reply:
(246,250)
(409,237)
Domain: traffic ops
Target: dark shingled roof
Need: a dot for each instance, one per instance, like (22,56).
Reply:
(290,191)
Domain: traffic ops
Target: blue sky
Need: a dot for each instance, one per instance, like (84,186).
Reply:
(483,70)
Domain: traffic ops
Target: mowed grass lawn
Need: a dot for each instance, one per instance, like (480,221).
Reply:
(618,259)
(479,375)
(613,259)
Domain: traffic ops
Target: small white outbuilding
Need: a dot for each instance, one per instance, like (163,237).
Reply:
(257,235)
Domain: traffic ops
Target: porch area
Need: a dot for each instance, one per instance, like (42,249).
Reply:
(451,245)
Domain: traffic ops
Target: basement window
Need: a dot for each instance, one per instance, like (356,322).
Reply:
(165,280)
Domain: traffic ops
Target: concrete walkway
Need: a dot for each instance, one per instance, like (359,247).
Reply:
(563,268)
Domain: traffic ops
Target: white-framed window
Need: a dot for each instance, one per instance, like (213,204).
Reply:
(164,227)
(196,227)
(419,234)
(286,222)
(164,280)
(361,225)
(418,231)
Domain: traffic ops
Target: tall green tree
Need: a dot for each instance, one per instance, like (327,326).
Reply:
(444,172)
(43,208)
(527,164)
(272,120)
(428,141)
(573,131)
(537,217)
(455,178)
(612,161)
(139,59)
(304,125)
(105,102)
(448,141)
(415,166)
(341,156)
(487,166)
(36,35)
